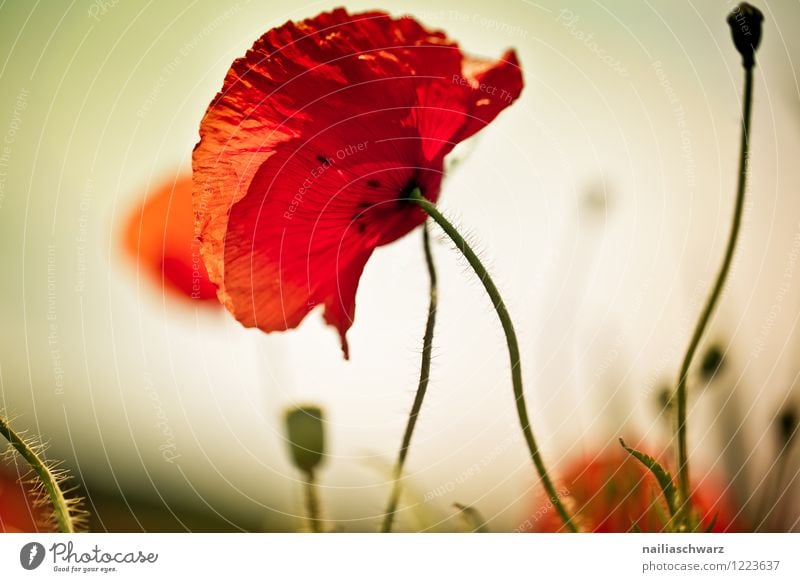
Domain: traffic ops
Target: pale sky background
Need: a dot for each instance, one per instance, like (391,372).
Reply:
(601,201)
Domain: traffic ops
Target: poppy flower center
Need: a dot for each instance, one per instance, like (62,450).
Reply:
(407,191)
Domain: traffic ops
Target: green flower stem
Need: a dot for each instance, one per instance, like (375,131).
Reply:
(312,502)
(513,349)
(422,387)
(713,298)
(46,476)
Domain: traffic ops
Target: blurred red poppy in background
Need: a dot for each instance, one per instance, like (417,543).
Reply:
(159,236)
(17,509)
(310,152)
(613,492)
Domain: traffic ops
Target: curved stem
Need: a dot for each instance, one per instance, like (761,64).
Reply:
(513,349)
(424,375)
(312,502)
(711,302)
(46,476)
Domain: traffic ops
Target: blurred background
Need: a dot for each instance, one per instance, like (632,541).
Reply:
(601,201)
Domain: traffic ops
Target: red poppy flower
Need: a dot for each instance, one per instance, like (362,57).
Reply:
(18,512)
(613,492)
(159,236)
(309,153)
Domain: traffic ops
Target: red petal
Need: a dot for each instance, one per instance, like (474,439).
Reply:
(307,153)
(495,86)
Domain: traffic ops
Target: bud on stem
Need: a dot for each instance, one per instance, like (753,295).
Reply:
(745,22)
(306,435)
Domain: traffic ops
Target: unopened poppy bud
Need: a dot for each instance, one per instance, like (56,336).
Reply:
(787,426)
(306,435)
(713,362)
(664,397)
(745,22)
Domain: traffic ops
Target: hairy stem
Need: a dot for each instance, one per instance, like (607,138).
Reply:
(45,475)
(713,297)
(513,350)
(422,387)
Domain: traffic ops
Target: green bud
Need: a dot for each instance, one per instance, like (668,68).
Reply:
(306,435)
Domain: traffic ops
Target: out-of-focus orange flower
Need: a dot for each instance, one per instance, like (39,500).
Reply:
(613,492)
(159,235)
(17,511)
